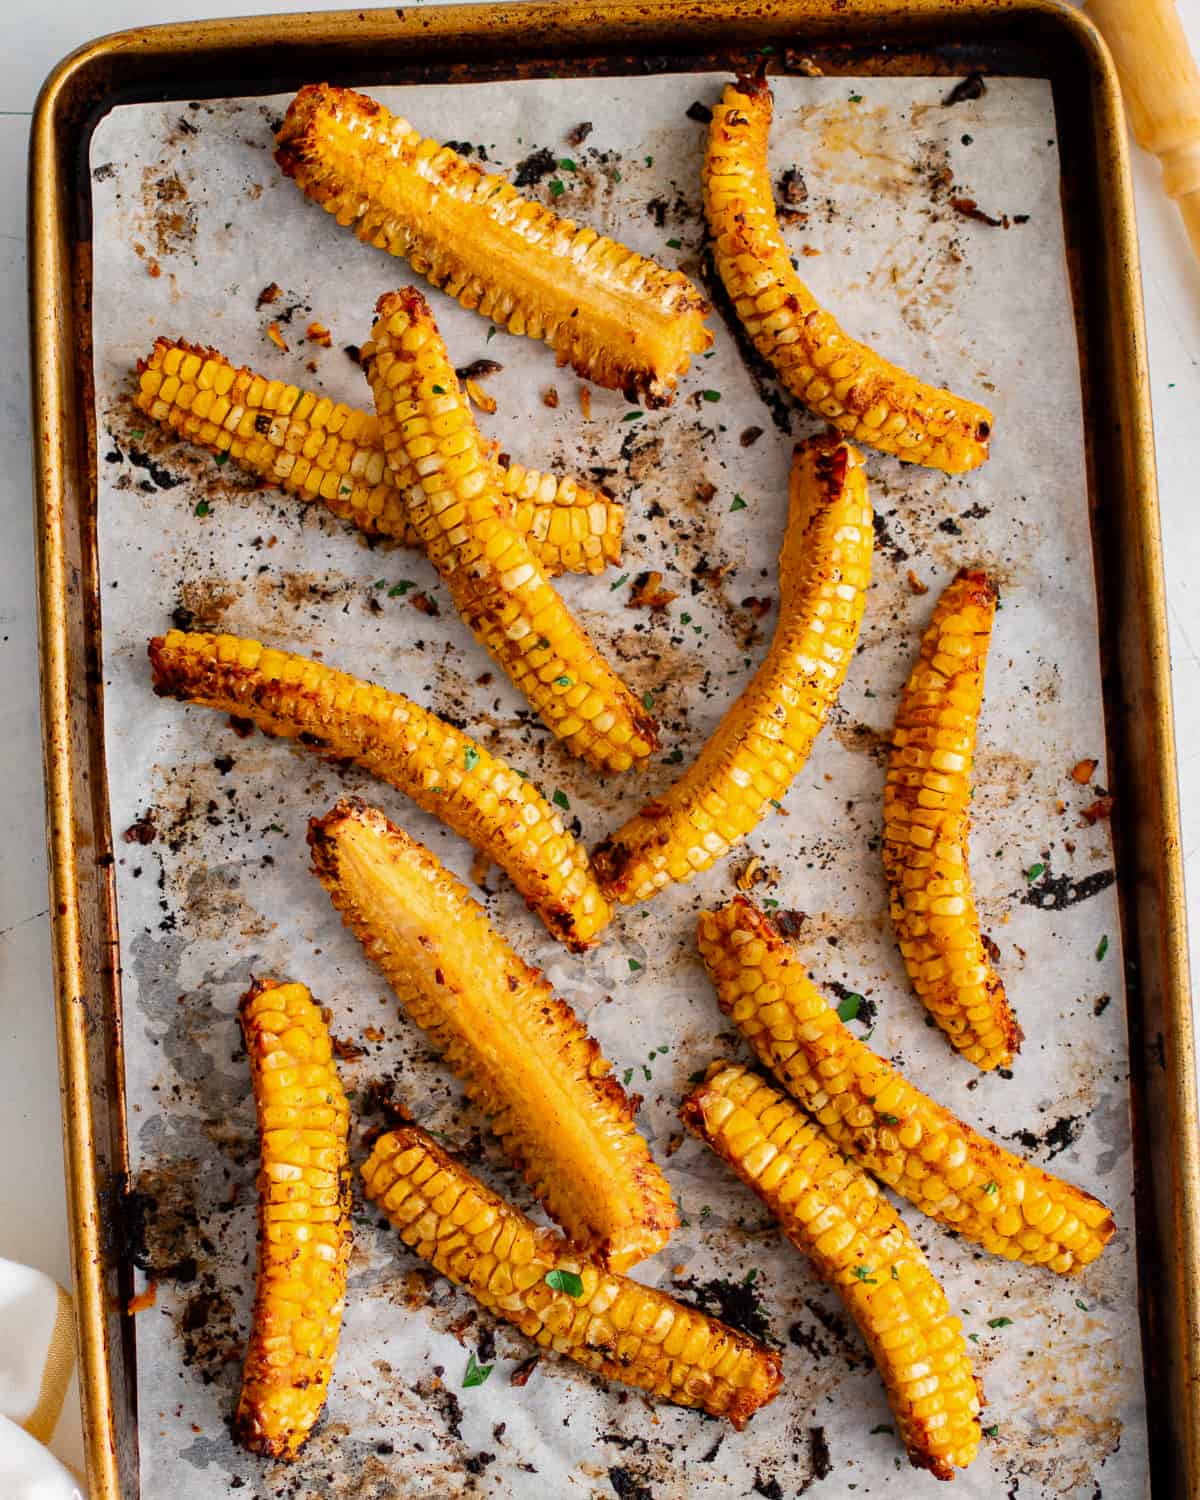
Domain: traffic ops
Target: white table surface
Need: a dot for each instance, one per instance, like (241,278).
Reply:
(33,36)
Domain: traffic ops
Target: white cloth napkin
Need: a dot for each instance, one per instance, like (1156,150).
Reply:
(37,1358)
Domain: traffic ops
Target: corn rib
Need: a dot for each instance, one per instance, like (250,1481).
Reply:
(837,1216)
(926,817)
(318,450)
(767,735)
(606,1323)
(522,1055)
(444,771)
(951,1172)
(303,1215)
(497,584)
(617,317)
(865,396)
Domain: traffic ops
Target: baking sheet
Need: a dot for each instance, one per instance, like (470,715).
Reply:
(191,221)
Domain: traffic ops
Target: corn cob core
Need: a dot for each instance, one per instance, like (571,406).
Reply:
(445,772)
(868,398)
(318,450)
(497,584)
(615,1327)
(767,735)
(955,1175)
(926,818)
(833,1212)
(303,1215)
(522,1055)
(617,317)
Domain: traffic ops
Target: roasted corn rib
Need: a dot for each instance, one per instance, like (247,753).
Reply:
(318,450)
(602,1321)
(497,584)
(869,399)
(926,824)
(833,1212)
(615,316)
(767,735)
(1009,1206)
(522,1055)
(303,1218)
(444,771)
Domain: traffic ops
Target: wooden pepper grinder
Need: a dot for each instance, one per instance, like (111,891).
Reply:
(1161,87)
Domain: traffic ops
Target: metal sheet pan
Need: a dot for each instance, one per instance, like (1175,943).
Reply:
(1030,38)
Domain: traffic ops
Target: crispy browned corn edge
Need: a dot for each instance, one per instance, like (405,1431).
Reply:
(926,826)
(767,735)
(616,1327)
(951,1172)
(833,1212)
(303,1218)
(868,398)
(497,584)
(522,1055)
(318,450)
(617,317)
(444,771)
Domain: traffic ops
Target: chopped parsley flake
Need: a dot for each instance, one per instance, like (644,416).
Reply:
(890,1119)
(711,395)
(221,459)
(439,390)
(999,1322)
(613,587)
(750,1277)
(560,800)
(203,508)
(565,164)
(1034,871)
(470,757)
(990,1188)
(850,1007)
(883,1427)
(632,416)
(557,187)
(738,503)
(647,701)
(634,966)
(398,590)
(674,244)
(562,682)
(491,334)
(1102,947)
(476,1373)
(866,1274)
(565,1281)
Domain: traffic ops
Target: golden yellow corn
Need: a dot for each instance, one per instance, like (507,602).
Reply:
(951,1172)
(444,771)
(833,1212)
(615,316)
(926,827)
(523,1056)
(869,399)
(561,1300)
(767,735)
(318,450)
(497,584)
(303,1219)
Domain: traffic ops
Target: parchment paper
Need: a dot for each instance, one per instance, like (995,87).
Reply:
(192,222)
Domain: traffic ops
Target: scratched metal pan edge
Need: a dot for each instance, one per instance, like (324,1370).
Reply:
(257,55)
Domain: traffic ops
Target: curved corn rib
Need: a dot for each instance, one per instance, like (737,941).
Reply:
(613,1326)
(317,450)
(304,1219)
(951,1172)
(615,316)
(522,1055)
(445,772)
(869,399)
(496,583)
(926,818)
(833,1212)
(767,735)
